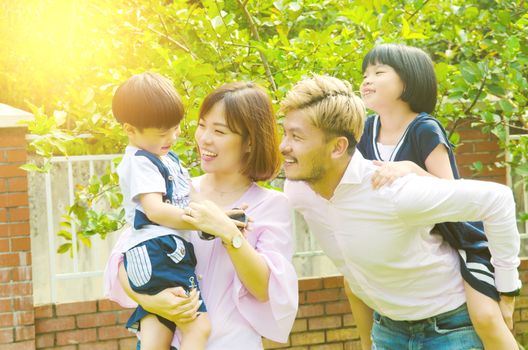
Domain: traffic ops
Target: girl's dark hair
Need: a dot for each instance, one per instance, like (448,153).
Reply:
(249,113)
(415,69)
(148,100)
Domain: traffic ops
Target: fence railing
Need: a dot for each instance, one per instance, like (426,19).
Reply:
(51,219)
(53,273)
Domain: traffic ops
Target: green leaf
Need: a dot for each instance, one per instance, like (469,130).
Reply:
(521,170)
(468,75)
(85,240)
(278,5)
(513,43)
(496,89)
(60,117)
(64,248)
(406,30)
(477,166)
(87,96)
(32,167)
(65,234)
(294,6)
(506,106)
(217,22)
(471,13)
(66,224)
(441,70)
(454,138)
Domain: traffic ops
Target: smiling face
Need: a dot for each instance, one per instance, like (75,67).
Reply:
(306,152)
(221,149)
(157,141)
(381,87)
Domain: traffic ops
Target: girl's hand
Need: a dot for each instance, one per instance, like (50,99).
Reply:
(390,171)
(507,306)
(172,304)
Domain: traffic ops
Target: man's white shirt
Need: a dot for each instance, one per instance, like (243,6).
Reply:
(380,240)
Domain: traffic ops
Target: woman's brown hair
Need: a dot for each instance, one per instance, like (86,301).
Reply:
(249,113)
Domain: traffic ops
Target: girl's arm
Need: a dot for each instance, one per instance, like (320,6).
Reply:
(437,164)
(171,303)
(363,316)
(250,267)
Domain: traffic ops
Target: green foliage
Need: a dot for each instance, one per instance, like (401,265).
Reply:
(70,56)
(96,211)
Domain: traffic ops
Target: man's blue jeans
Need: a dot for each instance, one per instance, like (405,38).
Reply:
(448,331)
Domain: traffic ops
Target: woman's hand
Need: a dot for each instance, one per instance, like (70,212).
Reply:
(390,171)
(172,304)
(208,217)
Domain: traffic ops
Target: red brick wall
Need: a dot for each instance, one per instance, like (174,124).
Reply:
(324,321)
(475,146)
(83,326)
(16,302)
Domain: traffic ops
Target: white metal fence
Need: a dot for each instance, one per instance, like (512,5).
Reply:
(51,219)
(65,278)
(61,278)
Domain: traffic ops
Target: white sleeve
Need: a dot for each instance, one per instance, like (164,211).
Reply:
(144,177)
(272,319)
(425,201)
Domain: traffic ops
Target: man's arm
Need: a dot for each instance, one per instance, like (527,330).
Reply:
(426,201)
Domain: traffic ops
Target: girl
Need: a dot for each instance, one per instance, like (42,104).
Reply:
(399,84)
(249,284)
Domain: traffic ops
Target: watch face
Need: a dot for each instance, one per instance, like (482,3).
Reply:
(237,241)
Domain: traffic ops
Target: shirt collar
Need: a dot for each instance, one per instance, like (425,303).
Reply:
(354,171)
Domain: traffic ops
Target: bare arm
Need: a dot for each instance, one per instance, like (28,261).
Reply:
(363,316)
(438,164)
(250,267)
(164,214)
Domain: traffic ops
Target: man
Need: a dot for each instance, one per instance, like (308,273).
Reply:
(381,239)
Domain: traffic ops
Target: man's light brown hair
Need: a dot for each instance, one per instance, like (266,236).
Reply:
(331,106)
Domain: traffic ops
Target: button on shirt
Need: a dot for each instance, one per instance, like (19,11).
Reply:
(380,240)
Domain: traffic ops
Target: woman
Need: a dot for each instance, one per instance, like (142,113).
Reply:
(249,284)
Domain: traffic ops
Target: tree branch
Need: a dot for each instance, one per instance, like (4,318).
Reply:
(417,10)
(172,40)
(513,126)
(256,36)
(475,100)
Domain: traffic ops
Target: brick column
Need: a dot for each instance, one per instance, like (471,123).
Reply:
(17,319)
